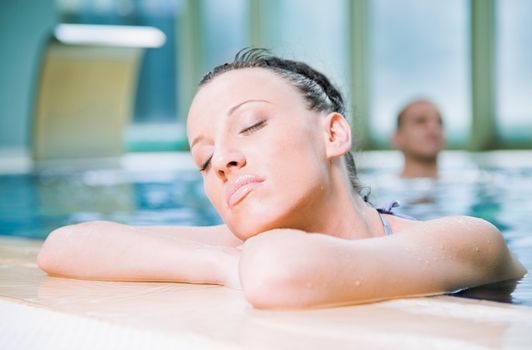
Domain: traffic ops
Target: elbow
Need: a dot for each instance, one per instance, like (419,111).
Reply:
(62,251)
(48,255)
(505,265)
(51,255)
(497,263)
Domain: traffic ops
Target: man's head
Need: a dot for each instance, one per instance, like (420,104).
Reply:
(419,133)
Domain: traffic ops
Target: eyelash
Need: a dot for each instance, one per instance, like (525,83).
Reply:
(206,164)
(246,131)
(254,127)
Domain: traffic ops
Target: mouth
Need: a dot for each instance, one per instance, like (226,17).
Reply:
(240,188)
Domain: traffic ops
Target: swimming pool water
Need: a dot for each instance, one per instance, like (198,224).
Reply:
(31,205)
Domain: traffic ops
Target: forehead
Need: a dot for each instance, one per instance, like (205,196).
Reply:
(215,98)
(425,109)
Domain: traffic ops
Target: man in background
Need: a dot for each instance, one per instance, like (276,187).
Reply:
(419,135)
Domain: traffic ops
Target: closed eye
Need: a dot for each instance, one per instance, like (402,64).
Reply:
(206,164)
(253,128)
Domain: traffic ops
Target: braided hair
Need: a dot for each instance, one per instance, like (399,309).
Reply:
(319,93)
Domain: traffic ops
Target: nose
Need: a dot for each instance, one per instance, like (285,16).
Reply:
(435,126)
(225,162)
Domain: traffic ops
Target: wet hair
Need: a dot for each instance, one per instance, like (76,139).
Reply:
(317,90)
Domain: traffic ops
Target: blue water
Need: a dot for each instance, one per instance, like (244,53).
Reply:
(31,205)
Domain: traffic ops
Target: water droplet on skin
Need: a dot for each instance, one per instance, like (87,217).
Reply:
(357,283)
(477,249)
(308,285)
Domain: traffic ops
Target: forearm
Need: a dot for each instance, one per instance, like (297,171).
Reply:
(107,251)
(213,235)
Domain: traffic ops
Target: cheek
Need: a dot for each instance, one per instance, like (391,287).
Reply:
(213,192)
(414,135)
(287,146)
(295,164)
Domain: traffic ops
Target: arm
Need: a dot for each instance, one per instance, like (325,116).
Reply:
(111,251)
(292,269)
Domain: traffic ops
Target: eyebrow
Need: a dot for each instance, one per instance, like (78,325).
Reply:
(229,112)
(235,107)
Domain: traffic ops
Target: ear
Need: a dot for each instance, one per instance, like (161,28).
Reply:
(338,135)
(396,140)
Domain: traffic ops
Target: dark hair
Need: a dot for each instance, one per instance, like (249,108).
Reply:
(320,94)
(402,112)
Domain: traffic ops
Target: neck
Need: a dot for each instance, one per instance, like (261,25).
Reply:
(342,213)
(353,220)
(420,168)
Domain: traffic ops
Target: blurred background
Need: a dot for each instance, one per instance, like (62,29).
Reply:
(473,58)
(94,96)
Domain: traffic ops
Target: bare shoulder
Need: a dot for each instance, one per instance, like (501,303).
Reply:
(473,241)
(465,235)
(451,224)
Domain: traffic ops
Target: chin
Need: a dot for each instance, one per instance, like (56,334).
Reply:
(251,226)
(264,211)
(246,222)
(244,233)
(432,155)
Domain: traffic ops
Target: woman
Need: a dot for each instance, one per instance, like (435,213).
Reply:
(270,139)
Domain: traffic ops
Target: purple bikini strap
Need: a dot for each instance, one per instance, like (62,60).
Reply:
(388,209)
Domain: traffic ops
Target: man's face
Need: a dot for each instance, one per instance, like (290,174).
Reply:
(420,134)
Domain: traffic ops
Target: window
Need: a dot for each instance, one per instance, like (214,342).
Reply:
(314,32)
(419,49)
(224,31)
(513,85)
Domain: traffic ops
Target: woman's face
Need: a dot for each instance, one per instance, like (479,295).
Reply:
(260,150)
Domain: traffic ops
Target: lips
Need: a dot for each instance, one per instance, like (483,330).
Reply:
(240,188)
